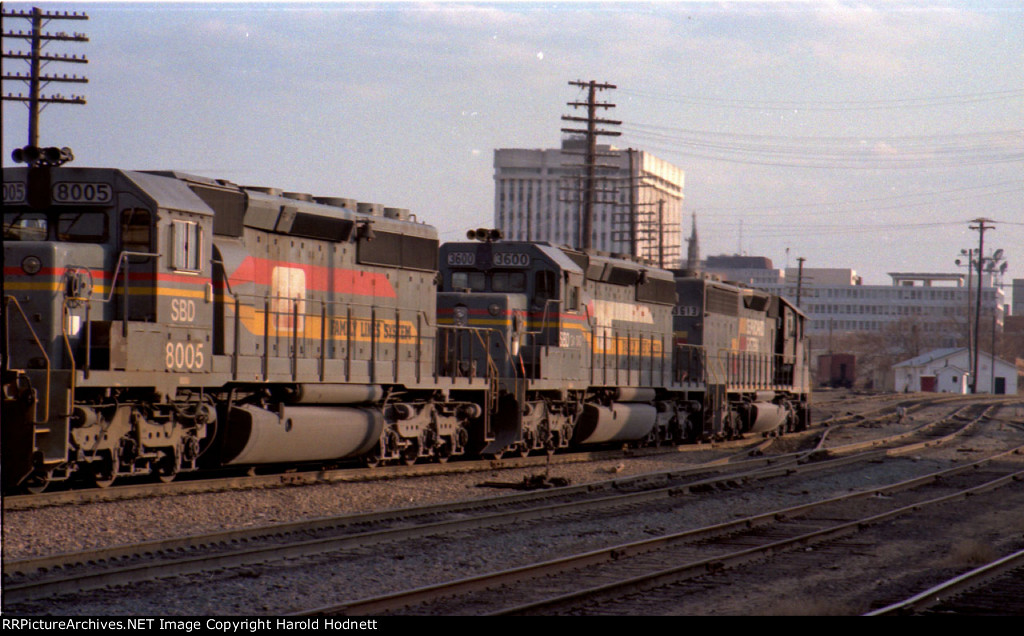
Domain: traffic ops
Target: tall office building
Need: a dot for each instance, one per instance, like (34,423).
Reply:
(538,196)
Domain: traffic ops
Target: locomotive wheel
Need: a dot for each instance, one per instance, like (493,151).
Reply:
(443,450)
(38,481)
(103,471)
(167,468)
(103,474)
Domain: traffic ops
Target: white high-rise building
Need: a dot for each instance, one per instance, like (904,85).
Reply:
(538,196)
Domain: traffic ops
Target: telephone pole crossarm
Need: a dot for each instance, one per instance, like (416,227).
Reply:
(37,58)
(591,133)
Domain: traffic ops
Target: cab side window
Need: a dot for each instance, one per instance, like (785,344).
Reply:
(572,298)
(544,286)
(186,245)
(136,232)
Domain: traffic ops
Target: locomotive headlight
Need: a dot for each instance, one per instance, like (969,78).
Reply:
(31,265)
(460,316)
(494,309)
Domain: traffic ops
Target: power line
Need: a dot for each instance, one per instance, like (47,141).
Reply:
(847,152)
(840,106)
(865,160)
(866,209)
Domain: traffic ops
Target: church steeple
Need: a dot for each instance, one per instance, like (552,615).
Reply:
(693,248)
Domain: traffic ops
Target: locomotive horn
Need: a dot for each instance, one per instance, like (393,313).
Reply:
(484,234)
(34,155)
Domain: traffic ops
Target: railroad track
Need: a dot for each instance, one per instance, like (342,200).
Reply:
(994,589)
(34,578)
(30,579)
(186,486)
(612,577)
(934,432)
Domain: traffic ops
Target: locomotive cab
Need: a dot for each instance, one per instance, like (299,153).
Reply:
(93,267)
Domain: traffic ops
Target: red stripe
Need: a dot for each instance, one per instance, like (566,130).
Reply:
(346,281)
(472,311)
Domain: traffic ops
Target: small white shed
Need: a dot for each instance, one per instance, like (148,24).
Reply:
(949,371)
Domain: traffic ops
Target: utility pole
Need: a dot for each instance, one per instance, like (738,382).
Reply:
(634,249)
(37,59)
(661,233)
(591,133)
(969,253)
(799,279)
(981,227)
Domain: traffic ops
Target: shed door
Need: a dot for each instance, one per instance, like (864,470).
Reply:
(928,383)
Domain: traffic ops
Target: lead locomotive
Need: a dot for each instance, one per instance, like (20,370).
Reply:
(157,322)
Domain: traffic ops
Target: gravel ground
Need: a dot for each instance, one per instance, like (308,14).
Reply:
(357,574)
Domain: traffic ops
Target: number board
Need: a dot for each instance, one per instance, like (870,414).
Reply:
(14,192)
(511,259)
(78,193)
(462,258)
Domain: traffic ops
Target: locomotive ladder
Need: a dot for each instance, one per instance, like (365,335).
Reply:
(8,300)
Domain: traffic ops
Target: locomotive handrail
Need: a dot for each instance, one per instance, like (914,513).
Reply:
(491,375)
(543,317)
(227,280)
(751,366)
(272,309)
(7,362)
(534,335)
(691,351)
(123,258)
(64,314)
(346,303)
(117,270)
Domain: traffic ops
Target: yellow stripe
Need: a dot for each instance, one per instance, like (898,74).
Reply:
(279,325)
(103,290)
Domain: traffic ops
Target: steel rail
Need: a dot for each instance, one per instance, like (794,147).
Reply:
(954,586)
(407,598)
(328,476)
(764,468)
(155,568)
(714,564)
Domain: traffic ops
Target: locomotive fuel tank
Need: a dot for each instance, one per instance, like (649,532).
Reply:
(300,433)
(628,420)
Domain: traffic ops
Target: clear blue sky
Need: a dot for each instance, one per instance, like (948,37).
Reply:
(855,134)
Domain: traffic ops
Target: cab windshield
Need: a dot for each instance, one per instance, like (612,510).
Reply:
(72,226)
(25,226)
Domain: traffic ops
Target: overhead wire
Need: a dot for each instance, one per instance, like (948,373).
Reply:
(844,105)
(844,153)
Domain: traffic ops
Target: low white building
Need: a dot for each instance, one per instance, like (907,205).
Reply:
(949,371)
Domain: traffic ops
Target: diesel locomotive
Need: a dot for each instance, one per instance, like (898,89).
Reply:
(156,323)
